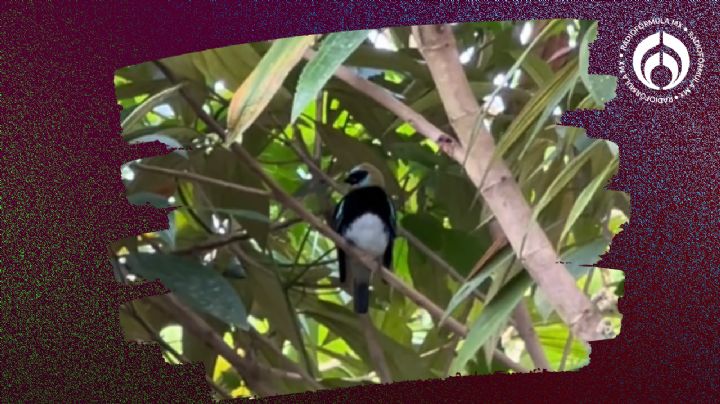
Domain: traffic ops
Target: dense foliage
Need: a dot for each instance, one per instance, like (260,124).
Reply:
(266,281)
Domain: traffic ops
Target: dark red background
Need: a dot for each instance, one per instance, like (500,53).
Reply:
(63,202)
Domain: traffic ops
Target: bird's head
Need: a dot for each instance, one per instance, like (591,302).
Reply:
(365,175)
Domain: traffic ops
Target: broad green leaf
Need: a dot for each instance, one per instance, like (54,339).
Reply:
(351,151)
(197,285)
(334,49)
(139,113)
(271,301)
(493,316)
(262,84)
(552,103)
(601,87)
(231,64)
(369,56)
(553,338)
(586,196)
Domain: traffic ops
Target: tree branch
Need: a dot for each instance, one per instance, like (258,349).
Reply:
(200,178)
(291,203)
(495,182)
(196,325)
(375,349)
(524,326)
(168,348)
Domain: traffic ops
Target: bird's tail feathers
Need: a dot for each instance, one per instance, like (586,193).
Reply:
(360,281)
(361,296)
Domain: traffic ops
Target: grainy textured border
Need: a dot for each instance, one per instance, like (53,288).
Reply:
(62,201)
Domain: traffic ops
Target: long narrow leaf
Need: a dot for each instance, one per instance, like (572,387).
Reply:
(564,177)
(260,87)
(586,196)
(156,99)
(332,53)
(539,103)
(493,316)
(466,289)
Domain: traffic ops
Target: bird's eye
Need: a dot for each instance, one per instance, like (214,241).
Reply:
(356,177)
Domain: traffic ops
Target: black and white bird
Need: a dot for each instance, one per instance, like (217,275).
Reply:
(365,217)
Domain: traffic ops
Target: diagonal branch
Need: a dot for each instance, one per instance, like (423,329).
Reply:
(291,203)
(376,352)
(199,178)
(196,325)
(495,182)
(503,194)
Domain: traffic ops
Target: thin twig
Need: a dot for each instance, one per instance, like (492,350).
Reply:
(197,325)
(375,349)
(569,341)
(524,326)
(167,347)
(213,244)
(200,178)
(291,203)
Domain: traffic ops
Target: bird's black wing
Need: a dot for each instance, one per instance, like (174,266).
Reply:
(392,223)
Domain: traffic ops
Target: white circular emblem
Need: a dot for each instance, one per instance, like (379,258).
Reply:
(661,61)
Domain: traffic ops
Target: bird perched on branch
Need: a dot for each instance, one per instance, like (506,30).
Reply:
(365,217)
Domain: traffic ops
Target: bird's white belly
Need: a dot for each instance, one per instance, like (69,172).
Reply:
(368,233)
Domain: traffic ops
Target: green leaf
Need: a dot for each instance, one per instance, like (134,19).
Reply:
(158,201)
(332,53)
(343,322)
(271,301)
(536,109)
(566,175)
(493,316)
(576,259)
(250,210)
(199,286)
(467,288)
(166,140)
(553,338)
(351,151)
(601,87)
(586,196)
(538,69)
(139,113)
(250,100)
(620,288)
